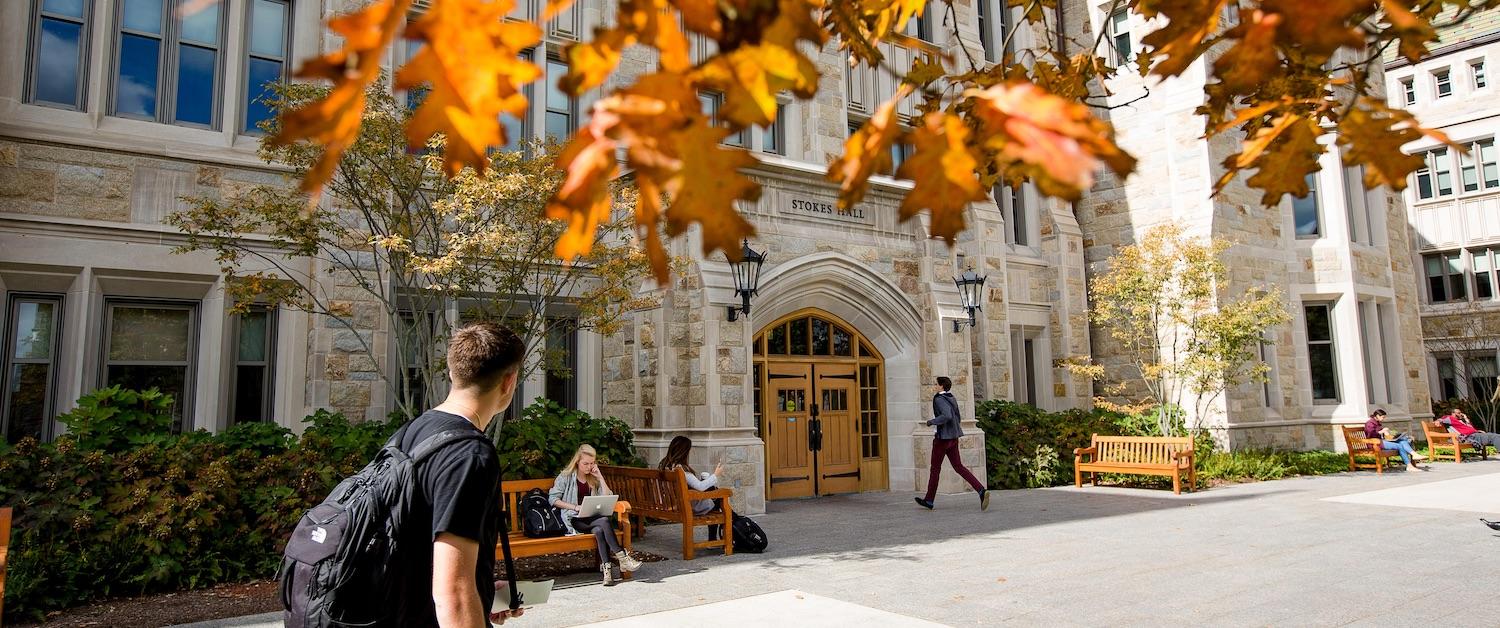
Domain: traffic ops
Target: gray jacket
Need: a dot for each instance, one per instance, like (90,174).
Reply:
(565,488)
(945,416)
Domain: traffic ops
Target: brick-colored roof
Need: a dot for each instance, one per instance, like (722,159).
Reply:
(1484,23)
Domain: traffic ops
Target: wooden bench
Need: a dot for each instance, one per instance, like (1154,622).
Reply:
(665,495)
(1170,456)
(1358,445)
(1438,437)
(4,553)
(522,546)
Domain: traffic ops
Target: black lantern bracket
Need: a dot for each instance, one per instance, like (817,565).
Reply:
(971,292)
(746,274)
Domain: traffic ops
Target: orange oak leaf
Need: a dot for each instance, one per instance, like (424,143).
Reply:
(1319,27)
(636,21)
(1184,37)
(583,199)
(1254,57)
(942,171)
(867,151)
(472,62)
(701,16)
(1374,134)
(1412,32)
(334,120)
(750,77)
(1060,138)
(1283,153)
(706,185)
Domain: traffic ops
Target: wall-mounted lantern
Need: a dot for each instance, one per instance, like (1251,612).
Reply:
(970,290)
(746,278)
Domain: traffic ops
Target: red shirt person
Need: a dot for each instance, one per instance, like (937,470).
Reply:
(1467,432)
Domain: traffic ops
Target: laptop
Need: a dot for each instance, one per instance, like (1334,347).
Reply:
(532,593)
(595,505)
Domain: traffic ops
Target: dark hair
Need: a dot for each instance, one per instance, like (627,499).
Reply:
(945,383)
(1378,412)
(481,355)
(677,455)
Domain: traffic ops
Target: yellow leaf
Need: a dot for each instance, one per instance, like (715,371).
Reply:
(706,186)
(334,120)
(472,63)
(751,76)
(583,199)
(1374,134)
(1254,57)
(1319,27)
(943,173)
(867,151)
(1283,154)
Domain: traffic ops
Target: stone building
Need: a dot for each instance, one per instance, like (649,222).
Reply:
(104,125)
(1452,203)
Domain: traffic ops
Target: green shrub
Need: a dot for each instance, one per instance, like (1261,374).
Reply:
(1016,434)
(544,439)
(105,511)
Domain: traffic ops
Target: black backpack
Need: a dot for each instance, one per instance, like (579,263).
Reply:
(539,518)
(343,565)
(748,537)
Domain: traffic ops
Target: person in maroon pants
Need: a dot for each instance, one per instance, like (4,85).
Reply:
(945,444)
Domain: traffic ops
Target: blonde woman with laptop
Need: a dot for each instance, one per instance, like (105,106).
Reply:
(579,481)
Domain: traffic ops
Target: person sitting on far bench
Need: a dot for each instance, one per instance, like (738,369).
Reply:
(1459,422)
(1401,443)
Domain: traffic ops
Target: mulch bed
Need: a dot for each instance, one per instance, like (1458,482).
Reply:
(252,598)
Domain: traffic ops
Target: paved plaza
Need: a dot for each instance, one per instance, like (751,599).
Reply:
(1402,549)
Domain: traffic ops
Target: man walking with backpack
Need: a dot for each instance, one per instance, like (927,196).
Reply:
(410,541)
(945,444)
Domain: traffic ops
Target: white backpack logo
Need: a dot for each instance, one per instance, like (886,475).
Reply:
(319,534)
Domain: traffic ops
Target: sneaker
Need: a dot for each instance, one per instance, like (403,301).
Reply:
(626,562)
(923,503)
(609,574)
(984,500)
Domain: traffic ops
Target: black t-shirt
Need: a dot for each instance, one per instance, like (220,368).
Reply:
(456,493)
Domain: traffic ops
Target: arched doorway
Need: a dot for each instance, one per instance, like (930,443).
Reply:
(819,407)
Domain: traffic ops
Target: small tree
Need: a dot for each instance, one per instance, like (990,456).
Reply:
(1162,301)
(432,251)
(1466,333)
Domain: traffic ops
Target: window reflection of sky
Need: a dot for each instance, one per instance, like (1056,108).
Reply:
(57,63)
(135,91)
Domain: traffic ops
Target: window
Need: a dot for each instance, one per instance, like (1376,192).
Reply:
(414,96)
(1445,277)
(168,68)
(149,345)
(1023,367)
(562,110)
(1480,167)
(1018,214)
(518,129)
(417,341)
(31,343)
(1320,352)
(1362,223)
(712,102)
(1305,210)
(1409,91)
(1435,177)
(869,409)
(59,52)
(920,26)
(1376,337)
(1443,83)
(1483,262)
(995,24)
(773,138)
(1447,379)
(900,152)
(1481,370)
(1476,71)
(562,364)
(267,41)
(254,351)
(1118,29)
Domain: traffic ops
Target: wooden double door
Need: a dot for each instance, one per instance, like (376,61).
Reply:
(812,429)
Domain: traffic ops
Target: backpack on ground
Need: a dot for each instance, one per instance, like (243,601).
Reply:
(539,518)
(344,563)
(748,537)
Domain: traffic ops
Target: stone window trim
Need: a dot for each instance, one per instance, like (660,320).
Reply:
(996,19)
(248,55)
(1307,210)
(1322,341)
(33,53)
(1442,82)
(712,102)
(1446,275)
(921,26)
(1408,90)
(553,66)
(1478,78)
(772,139)
(1364,208)
(190,365)
(900,151)
(267,362)
(1462,374)
(12,360)
(1119,38)
(171,42)
(1479,169)
(1434,180)
(1023,227)
(1027,374)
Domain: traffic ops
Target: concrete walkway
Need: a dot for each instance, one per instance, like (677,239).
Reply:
(1278,553)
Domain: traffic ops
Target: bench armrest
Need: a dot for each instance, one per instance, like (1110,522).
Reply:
(1085,451)
(713,494)
(622,508)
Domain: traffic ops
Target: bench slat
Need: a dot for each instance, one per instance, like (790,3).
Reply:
(1142,455)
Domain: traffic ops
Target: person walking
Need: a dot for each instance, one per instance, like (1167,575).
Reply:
(580,479)
(946,419)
